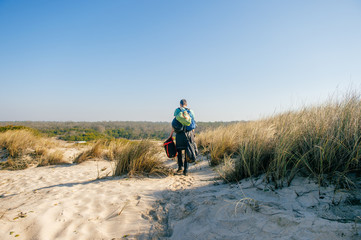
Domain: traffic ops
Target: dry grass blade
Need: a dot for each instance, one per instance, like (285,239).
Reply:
(116,213)
(245,203)
(122,209)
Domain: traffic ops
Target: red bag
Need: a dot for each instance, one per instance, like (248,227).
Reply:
(170,148)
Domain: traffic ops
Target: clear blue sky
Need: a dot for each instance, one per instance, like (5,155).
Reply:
(134,60)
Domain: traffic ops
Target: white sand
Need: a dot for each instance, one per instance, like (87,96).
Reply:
(68,202)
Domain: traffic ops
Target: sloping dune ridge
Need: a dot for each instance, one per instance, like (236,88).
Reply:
(81,202)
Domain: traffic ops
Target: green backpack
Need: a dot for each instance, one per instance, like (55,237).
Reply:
(184,118)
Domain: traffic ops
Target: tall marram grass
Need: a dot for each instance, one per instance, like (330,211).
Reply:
(322,141)
(219,143)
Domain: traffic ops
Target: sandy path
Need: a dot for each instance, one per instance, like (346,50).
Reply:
(69,202)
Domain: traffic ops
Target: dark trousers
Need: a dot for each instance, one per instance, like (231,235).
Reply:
(180,160)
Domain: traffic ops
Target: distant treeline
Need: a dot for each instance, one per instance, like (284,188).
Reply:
(87,131)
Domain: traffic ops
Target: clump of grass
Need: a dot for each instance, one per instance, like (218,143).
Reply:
(322,141)
(17,142)
(52,158)
(254,151)
(26,147)
(130,157)
(114,148)
(138,158)
(96,151)
(227,170)
(17,163)
(219,143)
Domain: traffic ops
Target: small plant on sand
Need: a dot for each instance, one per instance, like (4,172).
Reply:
(245,203)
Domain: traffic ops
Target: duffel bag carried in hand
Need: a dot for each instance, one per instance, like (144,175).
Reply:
(170,148)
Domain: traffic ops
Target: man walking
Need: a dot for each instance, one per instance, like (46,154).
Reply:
(183,137)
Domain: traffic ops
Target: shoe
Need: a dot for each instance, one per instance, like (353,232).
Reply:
(179,170)
(185,173)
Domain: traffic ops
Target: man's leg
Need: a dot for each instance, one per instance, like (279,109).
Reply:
(180,162)
(185,163)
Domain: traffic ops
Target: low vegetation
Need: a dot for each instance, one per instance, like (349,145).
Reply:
(16,142)
(24,147)
(220,142)
(96,151)
(52,158)
(138,158)
(12,127)
(322,141)
(130,157)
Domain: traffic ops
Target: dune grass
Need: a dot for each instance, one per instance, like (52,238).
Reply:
(138,158)
(25,147)
(134,158)
(219,143)
(52,158)
(17,142)
(322,141)
(96,151)
(102,149)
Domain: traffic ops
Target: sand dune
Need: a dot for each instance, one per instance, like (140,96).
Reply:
(70,202)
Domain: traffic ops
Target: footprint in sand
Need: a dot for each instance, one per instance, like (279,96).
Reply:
(181,182)
(137,199)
